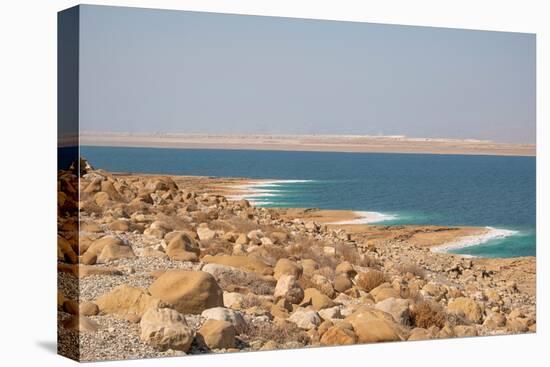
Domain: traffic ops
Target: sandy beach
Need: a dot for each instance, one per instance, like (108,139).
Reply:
(323,143)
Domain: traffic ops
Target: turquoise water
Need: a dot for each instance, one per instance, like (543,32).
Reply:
(459,190)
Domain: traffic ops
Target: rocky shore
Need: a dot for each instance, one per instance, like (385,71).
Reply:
(153,266)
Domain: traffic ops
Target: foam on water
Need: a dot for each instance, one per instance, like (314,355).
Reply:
(255,192)
(475,240)
(368,217)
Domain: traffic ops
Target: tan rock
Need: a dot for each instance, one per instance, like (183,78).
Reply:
(305,319)
(188,291)
(466,307)
(216,334)
(182,247)
(126,302)
(345,268)
(383,292)
(114,252)
(316,299)
(337,335)
(166,329)
(309,266)
(342,283)
(88,309)
(97,246)
(288,288)
(120,225)
(373,326)
(287,267)
(397,307)
(324,285)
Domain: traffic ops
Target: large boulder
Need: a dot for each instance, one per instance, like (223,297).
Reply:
(313,297)
(466,307)
(189,292)
(372,326)
(216,334)
(323,284)
(205,233)
(114,252)
(288,288)
(165,328)
(226,314)
(97,246)
(126,302)
(337,335)
(383,292)
(397,307)
(287,267)
(182,247)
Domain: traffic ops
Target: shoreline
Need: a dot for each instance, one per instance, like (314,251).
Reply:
(311,143)
(127,238)
(437,238)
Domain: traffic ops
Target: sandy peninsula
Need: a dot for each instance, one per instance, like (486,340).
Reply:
(324,143)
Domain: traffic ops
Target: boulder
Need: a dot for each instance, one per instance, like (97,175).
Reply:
(205,233)
(216,334)
(420,334)
(182,247)
(342,283)
(288,288)
(323,284)
(383,292)
(226,314)
(309,266)
(287,267)
(316,299)
(305,319)
(126,302)
(330,313)
(188,291)
(165,328)
(345,268)
(397,307)
(97,246)
(467,308)
(114,252)
(373,326)
(337,335)
(120,225)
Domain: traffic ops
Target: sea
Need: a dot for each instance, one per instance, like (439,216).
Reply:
(497,192)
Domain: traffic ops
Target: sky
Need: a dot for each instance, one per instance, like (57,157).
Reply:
(150,71)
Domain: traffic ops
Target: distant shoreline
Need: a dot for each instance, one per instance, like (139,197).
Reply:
(311,143)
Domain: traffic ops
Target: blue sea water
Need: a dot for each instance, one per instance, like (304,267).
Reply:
(458,190)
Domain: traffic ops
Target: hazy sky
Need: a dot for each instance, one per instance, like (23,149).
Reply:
(171,71)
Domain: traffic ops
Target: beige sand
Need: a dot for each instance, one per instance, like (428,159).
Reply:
(328,143)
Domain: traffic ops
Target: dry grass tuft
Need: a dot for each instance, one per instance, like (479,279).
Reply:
(370,279)
(426,314)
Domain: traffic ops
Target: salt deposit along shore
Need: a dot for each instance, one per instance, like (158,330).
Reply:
(168,265)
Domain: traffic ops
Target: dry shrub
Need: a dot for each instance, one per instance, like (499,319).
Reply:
(370,279)
(216,247)
(251,300)
(219,225)
(350,253)
(270,331)
(426,314)
(275,253)
(235,282)
(91,207)
(411,269)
